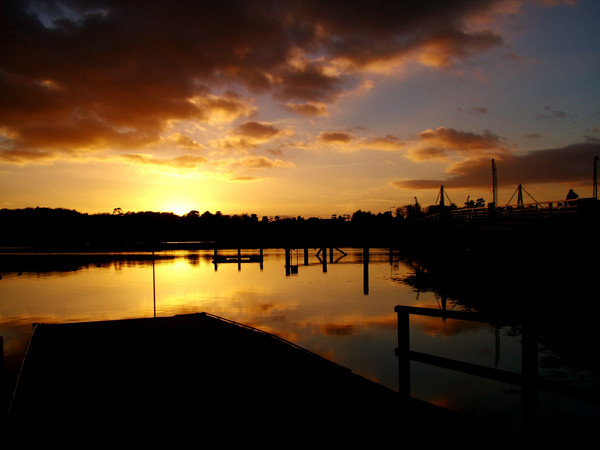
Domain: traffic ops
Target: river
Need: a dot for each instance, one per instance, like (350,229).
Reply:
(339,304)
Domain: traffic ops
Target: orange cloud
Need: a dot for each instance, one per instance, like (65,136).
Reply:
(388,142)
(249,135)
(113,75)
(183,161)
(335,137)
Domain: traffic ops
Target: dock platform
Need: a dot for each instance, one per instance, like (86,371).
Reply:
(196,373)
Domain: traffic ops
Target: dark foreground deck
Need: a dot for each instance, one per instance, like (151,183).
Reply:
(198,373)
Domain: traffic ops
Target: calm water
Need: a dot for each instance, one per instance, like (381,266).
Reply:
(338,307)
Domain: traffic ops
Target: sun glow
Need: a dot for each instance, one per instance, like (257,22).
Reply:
(179,208)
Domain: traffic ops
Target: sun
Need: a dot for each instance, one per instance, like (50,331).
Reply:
(180,209)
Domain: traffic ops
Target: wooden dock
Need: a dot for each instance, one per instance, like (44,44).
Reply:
(237,258)
(199,373)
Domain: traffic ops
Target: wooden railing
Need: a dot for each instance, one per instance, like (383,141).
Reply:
(529,379)
(526,211)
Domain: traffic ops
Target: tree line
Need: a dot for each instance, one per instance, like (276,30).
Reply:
(63,228)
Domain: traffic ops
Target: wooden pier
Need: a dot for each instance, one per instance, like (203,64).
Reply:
(199,373)
(237,258)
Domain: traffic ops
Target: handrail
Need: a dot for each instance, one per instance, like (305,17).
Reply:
(9,409)
(274,336)
(528,379)
(539,209)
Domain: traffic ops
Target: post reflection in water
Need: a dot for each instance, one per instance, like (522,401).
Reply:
(339,303)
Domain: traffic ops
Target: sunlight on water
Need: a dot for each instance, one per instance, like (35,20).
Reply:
(337,307)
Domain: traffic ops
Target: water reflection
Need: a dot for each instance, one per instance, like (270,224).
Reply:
(338,303)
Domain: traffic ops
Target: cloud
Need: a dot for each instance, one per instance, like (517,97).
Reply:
(532,136)
(23,156)
(444,48)
(222,109)
(388,142)
(183,141)
(250,135)
(256,130)
(187,161)
(338,137)
(309,109)
(309,83)
(262,162)
(180,162)
(570,164)
(441,143)
(551,113)
(88,75)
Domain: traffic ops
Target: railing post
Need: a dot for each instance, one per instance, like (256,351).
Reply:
(403,354)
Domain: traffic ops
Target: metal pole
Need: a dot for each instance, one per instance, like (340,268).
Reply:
(366,271)
(153,284)
(520,195)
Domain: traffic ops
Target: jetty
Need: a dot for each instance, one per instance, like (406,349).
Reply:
(237,258)
(194,373)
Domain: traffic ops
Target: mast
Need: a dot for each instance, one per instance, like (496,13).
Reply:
(494,183)
(596,178)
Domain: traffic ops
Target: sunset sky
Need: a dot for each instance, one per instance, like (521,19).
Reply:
(303,107)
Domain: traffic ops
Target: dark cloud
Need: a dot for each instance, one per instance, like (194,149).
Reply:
(81,74)
(532,136)
(442,142)
(257,130)
(460,140)
(571,164)
(551,113)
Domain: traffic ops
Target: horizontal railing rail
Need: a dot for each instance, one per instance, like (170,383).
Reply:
(515,211)
(529,379)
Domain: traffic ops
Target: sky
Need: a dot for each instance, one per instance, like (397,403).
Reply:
(296,108)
